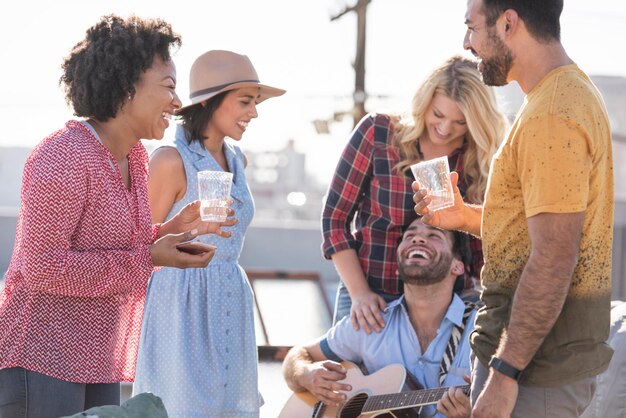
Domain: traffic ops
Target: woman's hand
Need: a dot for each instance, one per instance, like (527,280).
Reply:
(189,218)
(366,311)
(165,253)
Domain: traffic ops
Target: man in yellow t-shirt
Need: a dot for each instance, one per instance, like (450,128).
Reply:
(546,224)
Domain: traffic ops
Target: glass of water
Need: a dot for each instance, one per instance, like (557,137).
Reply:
(434,175)
(214,192)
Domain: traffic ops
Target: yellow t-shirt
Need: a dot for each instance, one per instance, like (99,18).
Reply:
(557,158)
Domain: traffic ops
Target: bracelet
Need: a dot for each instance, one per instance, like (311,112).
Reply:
(505,368)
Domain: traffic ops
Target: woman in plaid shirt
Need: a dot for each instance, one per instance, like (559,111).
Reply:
(453,114)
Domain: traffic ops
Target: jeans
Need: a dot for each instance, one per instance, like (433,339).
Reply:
(537,402)
(343,303)
(27,394)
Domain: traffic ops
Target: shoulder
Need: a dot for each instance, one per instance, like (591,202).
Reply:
(374,129)
(167,159)
(350,344)
(377,120)
(66,159)
(237,151)
(395,317)
(66,147)
(567,93)
(344,333)
(166,153)
(573,80)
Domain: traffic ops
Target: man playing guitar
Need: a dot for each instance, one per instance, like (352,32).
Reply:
(426,331)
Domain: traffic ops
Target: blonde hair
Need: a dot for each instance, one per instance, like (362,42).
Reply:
(457,78)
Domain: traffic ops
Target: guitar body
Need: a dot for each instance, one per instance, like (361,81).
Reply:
(389,379)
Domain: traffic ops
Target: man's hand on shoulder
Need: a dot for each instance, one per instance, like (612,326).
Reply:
(322,380)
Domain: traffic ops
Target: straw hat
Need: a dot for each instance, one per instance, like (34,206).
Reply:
(217,71)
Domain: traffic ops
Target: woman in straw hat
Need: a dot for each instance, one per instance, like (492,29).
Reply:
(70,312)
(198,349)
(453,114)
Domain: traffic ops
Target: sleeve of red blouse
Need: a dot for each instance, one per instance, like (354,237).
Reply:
(156,229)
(55,189)
(347,189)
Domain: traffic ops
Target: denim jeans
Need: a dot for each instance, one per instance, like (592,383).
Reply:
(27,394)
(343,303)
(567,401)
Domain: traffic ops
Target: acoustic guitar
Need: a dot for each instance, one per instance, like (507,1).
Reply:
(375,395)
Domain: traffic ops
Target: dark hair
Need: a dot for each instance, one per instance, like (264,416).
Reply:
(195,118)
(102,69)
(541,17)
(461,249)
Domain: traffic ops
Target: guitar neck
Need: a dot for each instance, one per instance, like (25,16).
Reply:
(409,399)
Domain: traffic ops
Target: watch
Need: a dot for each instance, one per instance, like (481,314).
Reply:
(505,368)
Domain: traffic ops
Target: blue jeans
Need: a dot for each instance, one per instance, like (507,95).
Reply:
(343,303)
(27,394)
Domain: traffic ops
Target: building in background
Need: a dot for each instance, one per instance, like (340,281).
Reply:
(282,188)
(285,234)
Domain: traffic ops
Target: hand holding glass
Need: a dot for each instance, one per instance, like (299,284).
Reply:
(434,175)
(214,192)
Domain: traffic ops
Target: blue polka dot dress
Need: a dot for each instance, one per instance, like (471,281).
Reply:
(198,349)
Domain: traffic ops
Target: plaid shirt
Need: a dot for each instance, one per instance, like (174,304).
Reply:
(366,190)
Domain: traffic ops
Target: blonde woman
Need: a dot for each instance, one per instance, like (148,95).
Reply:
(453,114)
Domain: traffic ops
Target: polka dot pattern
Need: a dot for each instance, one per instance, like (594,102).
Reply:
(198,347)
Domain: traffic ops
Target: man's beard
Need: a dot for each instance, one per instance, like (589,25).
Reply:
(496,68)
(432,273)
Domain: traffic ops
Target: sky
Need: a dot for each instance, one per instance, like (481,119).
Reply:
(292,44)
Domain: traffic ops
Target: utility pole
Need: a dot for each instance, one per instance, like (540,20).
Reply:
(359,95)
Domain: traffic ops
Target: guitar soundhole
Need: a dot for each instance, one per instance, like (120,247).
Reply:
(354,406)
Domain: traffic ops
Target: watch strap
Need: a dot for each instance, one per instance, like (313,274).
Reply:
(505,368)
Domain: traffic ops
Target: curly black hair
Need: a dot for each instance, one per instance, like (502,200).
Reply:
(102,69)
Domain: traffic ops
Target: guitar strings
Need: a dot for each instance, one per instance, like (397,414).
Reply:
(421,397)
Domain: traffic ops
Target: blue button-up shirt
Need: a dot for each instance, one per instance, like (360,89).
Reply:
(398,343)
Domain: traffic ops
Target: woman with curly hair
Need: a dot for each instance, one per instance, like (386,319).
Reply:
(70,312)
(453,114)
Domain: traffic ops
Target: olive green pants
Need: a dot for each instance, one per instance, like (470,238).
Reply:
(537,402)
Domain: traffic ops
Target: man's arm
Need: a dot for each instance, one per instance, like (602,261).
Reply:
(544,284)
(306,368)
(539,298)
